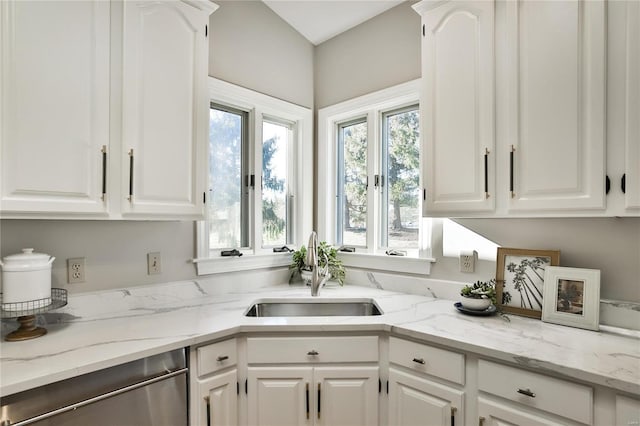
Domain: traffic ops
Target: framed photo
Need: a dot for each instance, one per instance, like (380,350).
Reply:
(572,297)
(520,279)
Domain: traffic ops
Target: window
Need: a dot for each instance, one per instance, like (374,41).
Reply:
(257,200)
(369,179)
(352,184)
(228,159)
(400,179)
(276,212)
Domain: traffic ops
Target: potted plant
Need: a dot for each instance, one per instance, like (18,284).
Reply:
(478,296)
(328,263)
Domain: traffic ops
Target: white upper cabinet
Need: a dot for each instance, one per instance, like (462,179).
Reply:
(513,107)
(86,83)
(54,115)
(165,108)
(457,106)
(555,104)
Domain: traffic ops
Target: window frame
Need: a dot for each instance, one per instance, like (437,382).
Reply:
(372,106)
(262,107)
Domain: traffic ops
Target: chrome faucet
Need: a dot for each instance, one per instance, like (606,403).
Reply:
(318,277)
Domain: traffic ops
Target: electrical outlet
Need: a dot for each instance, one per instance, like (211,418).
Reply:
(75,270)
(153,263)
(468,261)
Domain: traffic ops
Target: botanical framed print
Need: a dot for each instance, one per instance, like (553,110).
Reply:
(520,279)
(572,297)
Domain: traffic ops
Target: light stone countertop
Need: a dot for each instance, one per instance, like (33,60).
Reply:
(103,329)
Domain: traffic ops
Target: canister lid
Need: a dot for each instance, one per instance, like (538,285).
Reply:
(26,260)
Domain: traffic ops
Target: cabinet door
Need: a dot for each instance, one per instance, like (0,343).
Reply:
(632,137)
(346,396)
(493,413)
(279,396)
(627,411)
(457,121)
(54,113)
(218,400)
(164,108)
(415,401)
(555,107)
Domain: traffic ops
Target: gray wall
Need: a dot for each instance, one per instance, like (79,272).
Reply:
(249,46)
(115,252)
(381,52)
(253,47)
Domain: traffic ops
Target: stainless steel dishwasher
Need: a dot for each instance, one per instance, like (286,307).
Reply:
(149,391)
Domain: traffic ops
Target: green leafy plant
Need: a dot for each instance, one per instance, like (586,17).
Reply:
(480,290)
(327,259)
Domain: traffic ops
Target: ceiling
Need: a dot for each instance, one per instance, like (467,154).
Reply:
(320,20)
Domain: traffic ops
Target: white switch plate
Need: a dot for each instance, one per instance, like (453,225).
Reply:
(75,270)
(468,261)
(153,263)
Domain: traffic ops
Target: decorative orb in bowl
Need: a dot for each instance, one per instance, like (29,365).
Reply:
(475,304)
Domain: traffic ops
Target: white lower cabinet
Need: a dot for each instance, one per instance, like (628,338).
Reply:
(499,413)
(414,400)
(329,396)
(522,397)
(313,381)
(627,411)
(214,386)
(320,380)
(425,385)
(218,399)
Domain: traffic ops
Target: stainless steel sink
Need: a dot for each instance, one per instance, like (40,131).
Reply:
(313,308)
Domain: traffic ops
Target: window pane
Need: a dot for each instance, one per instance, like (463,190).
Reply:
(275,141)
(225,179)
(352,184)
(401,191)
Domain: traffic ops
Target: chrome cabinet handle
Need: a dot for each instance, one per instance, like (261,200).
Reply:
(130,198)
(313,352)
(527,392)
(419,360)
(222,358)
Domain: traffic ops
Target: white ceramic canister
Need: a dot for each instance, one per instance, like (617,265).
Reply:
(26,280)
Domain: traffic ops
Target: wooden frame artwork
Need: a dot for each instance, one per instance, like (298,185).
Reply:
(520,279)
(572,297)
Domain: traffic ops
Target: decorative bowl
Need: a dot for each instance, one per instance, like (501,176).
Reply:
(475,304)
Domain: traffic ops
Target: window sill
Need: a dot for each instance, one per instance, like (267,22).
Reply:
(217,265)
(408,265)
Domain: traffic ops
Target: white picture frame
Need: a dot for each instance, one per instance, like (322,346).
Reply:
(572,297)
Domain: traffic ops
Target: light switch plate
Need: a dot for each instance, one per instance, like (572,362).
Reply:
(153,263)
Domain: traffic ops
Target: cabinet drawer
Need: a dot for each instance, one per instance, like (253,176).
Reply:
(216,356)
(545,393)
(279,350)
(436,362)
